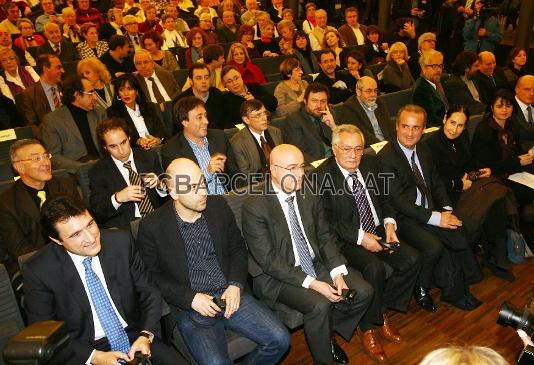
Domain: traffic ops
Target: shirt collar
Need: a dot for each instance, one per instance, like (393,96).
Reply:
(522,105)
(369,109)
(345,173)
(407,152)
(47,86)
(120,163)
(77,259)
(281,195)
(256,135)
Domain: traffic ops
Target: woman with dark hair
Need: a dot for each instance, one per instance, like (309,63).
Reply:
(355,66)
(332,40)
(515,65)
(143,118)
(479,199)
(290,91)
(196,39)
(376,49)
(152,42)
(91,46)
(245,36)
(303,51)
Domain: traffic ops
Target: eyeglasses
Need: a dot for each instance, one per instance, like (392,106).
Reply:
(37,158)
(90,92)
(264,114)
(346,149)
(293,169)
(369,91)
(436,66)
(235,79)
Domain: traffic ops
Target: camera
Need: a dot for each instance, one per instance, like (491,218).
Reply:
(474,175)
(348,295)
(221,303)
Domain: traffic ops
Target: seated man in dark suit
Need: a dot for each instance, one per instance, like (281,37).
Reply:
(209,148)
(57,45)
(310,127)
(428,89)
(368,112)
(20,204)
(523,116)
(238,92)
(460,87)
(194,250)
(227,31)
(118,59)
(425,216)
(336,80)
(488,77)
(199,78)
(158,85)
(362,217)
(252,145)
(69,132)
(96,282)
(289,237)
(124,184)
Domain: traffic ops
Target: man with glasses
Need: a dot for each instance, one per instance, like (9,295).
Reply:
(356,206)
(69,132)
(21,203)
(252,145)
(158,85)
(428,90)
(49,15)
(367,112)
(425,42)
(288,235)
(132,32)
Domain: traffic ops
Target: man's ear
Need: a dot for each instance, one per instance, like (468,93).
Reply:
(56,240)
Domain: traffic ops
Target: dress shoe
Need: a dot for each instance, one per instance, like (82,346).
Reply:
(464,303)
(471,299)
(423,298)
(389,332)
(499,272)
(337,353)
(372,345)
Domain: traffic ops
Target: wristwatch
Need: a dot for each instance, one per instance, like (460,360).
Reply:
(148,335)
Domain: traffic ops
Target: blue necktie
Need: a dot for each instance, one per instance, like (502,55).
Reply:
(367,222)
(109,320)
(306,262)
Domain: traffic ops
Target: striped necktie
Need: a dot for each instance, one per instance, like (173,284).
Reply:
(145,206)
(367,222)
(306,262)
(55,97)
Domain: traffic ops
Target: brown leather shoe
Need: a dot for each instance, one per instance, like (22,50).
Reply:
(390,332)
(372,345)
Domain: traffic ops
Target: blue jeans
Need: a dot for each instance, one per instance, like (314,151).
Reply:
(205,337)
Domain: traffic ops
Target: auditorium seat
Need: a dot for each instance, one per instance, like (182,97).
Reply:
(181,76)
(83,180)
(270,86)
(10,318)
(19,133)
(394,101)
(269,65)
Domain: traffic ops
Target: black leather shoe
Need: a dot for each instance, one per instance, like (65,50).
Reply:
(500,272)
(463,303)
(423,298)
(337,353)
(471,299)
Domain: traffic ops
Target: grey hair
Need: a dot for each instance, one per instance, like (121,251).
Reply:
(425,56)
(361,80)
(345,128)
(18,145)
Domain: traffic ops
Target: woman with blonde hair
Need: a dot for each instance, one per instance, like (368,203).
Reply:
(28,38)
(397,75)
(238,57)
(98,75)
(462,355)
(16,77)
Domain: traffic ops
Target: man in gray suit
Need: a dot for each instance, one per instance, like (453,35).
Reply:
(158,85)
(252,145)
(523,115)
(69,132)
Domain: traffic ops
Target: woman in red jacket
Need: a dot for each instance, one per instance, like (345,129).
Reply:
(238,56)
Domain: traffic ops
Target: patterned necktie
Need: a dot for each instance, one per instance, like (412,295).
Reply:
(136,40)
(41,194)
(157,94)
(529,115)
(55,98)
(367,222)
(306,262)
(420,182)
(57,49)
(266,149)
(109,320)
(468,4)
(145,206)
(442,96)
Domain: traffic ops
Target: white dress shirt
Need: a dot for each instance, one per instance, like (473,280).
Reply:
(523,108)
(160,87)
(126,175)
(138,120)
(360,39)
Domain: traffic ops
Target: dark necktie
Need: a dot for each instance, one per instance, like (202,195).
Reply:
(136,40)
(529,115)
(442,96)
(57,49)
(306,262)
(157,94)
(367,222)
(493,81)
(426,196)
(115,333)
(55,98)
(266,149)
(145,206)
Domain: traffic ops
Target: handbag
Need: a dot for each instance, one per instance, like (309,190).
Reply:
(515,246)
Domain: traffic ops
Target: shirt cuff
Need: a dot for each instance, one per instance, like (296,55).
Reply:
(339,270)
(306,283)
(390,220)
(162,193)
(435,218)
(361,232)
(115,203)
(88,362)
(447,207)
(236,283)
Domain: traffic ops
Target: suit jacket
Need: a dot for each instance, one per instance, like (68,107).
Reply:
(178,146)
(21,225)
(269,240)
(458,94)
(54,291)
(226,35)
(163,250)
(167,80)
(63,138)
(526,130)
(428,98)
(68,52)
(106,30)
(32,105)
(402,186)
(214,105)
(336,95)
(352,112)
(486,88)
(298,129)
(340,209)
(246,150)
(105,180)
(346,32)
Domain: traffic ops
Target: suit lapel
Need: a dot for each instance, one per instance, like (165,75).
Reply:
(249,145)
(93,121)
(215,232)
(171,233)
(107,261)
(25,200)
(280,226)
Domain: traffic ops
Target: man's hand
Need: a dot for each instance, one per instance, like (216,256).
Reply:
(325,290)
(466,182)
(142,344)
(108,358)
(409,28)
(414,12)
(328,119)
(485,172)
(131,193)
(391,235)
(248,96)
(449,220)
(400,61)
(203,304)
(469,11)
(150,180)
(339,283)
(216,164)
(370,242)
(525,159)
(232,295)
